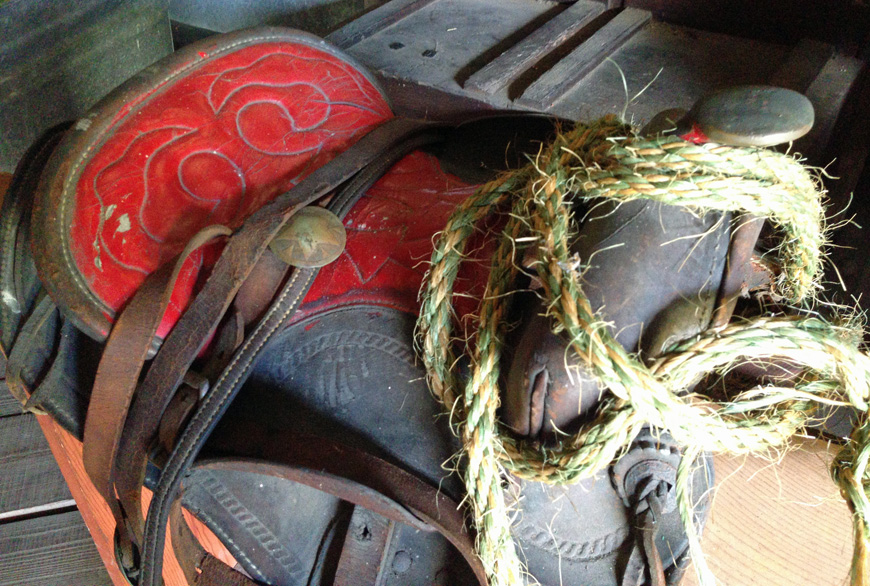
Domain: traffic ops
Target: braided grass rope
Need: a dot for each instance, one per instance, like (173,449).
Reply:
(604,160)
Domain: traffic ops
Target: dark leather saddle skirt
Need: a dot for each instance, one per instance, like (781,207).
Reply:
(207,138)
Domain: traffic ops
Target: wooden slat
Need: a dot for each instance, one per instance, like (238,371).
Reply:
(55,550)
(501,72)
(802,65)
(95,512)
(828,93)
(9,405)
(778,522)
(825,77)
(30,480)
(571,70)
(371,23)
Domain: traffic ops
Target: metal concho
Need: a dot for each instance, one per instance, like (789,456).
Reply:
(313,237)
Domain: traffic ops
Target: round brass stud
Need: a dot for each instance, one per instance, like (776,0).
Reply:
(754,115)
(312,238)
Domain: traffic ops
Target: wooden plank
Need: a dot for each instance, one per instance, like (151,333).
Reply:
(571,70)
(442,44)
(778,521)
(802,65)
(67,451)
(30,480)
(54,550)
(9,405)
(371,23)
(501,72)
(828,93)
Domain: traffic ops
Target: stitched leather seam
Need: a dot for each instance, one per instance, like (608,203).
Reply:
(156,508)
(255,528)
(572,550)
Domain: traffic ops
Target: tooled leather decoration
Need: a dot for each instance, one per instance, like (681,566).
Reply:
(233,134)
(390,239)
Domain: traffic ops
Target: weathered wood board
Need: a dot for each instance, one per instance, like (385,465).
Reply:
(9,405)
(54,550)
(30,481)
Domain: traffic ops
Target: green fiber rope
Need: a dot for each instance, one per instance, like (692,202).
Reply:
(604,160)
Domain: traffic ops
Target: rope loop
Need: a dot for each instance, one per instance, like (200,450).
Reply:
(604,160)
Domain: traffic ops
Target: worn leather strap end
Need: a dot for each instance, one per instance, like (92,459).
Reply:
(199,567)
(117,377)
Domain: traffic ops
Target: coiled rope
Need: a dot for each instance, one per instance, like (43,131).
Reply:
(605,160)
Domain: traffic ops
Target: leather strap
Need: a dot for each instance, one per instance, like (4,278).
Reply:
(193,330)
(18,281)
(362,556)
(406,137)
(33,350)
(350,474)
(106,435)
(118,373)
(197,565)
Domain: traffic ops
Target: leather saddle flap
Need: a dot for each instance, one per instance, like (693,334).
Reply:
(204,137)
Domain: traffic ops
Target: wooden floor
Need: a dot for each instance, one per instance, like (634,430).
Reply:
(43,539)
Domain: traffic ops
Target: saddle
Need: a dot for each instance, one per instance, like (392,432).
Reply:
(163,302)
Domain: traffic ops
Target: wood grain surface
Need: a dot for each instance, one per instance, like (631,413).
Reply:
(778,521)
(54,550)
(9,405)
(68,452)
(30,482)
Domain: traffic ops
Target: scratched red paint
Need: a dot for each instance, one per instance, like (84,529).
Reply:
(210,148)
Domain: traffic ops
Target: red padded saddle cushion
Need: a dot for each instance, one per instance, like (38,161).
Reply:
(205,137)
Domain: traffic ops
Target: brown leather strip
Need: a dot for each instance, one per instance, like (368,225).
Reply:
(745,230)
(241,254)
(118,374)
(197,565)
(214,572)
(189,553)
(195,326)
(255,296)
(355,476)
(133,455)
(375,153)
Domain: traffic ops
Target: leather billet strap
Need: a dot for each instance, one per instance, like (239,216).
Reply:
(118,373)
(197,565)
(409,136)
(348,473)
(358,477)
(375,153)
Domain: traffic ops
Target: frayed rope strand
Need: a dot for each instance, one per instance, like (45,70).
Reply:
(603,160)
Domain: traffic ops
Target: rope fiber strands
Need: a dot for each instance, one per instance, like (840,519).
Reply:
(600,160)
